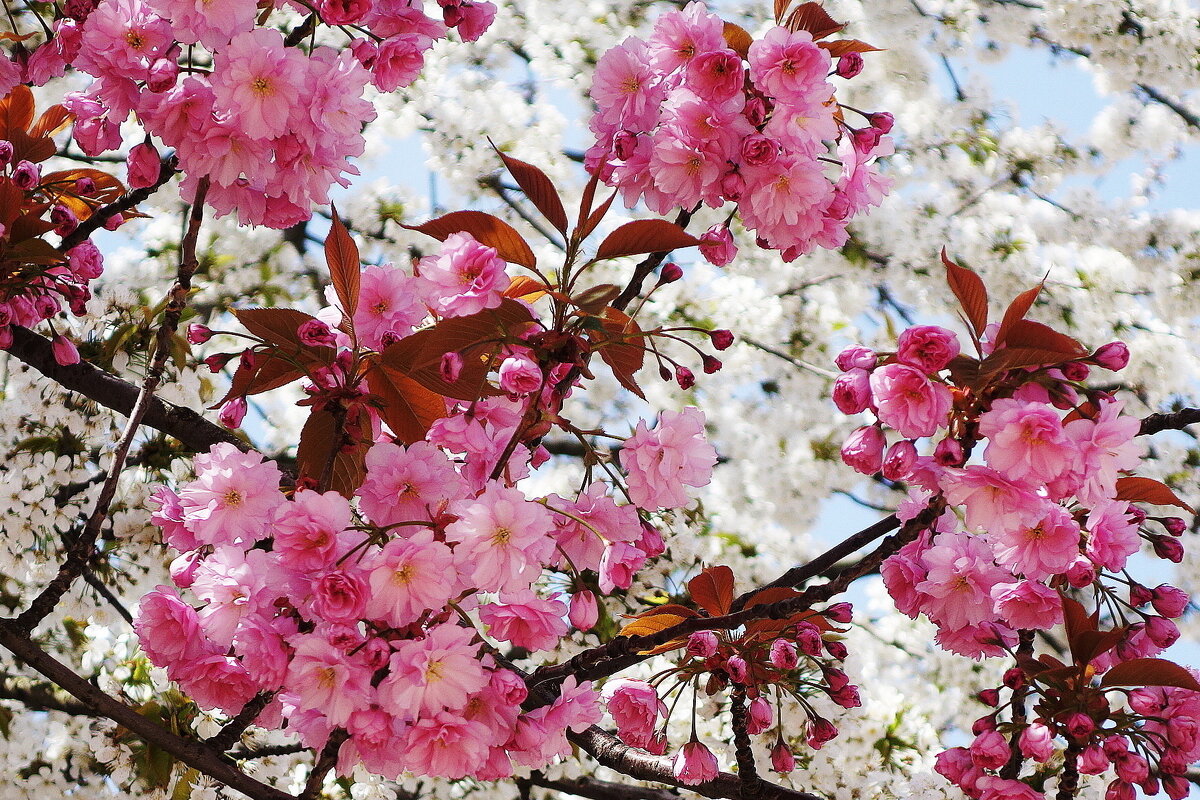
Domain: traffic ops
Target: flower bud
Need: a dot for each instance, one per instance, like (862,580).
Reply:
(1093,761)
(1112,356)
(144,165)
(26,175)
(1169,601)
(989,750)
(948,452)
(651,543)
(723,339)
(736,667)
(846,697)
(6,152)
(198,334)
(63,219)
(684,377)
(702,644)
(855,357)
(989,697)
(1079,726)
(695,764)
(1167,548)
(820,731)
(315,333)
(808,636)
(863,450)
(711,364)
(450,367)
(782,759)
(520,375)
(717,247)
(852,391)
(584,610)
(1075,371)
(760,716)
(624,145)
(1037,742)
(784,655)
(65,352)
(233,412)
(899,460)
(163,74)
(840,612)
(881,120)
(84,185)
(670,273)
(1163,632)
(1081,572)
(1174,525)
(1139,595)
(849,65)
(837,650)
(1120,790)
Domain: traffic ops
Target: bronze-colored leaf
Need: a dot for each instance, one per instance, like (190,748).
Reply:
(813,18)
(1148,490)
(1150,672)
(1078,622)
(320,441)
(712,589)
(1016,311)
(666,608)
(1035,335)
(781,7)
(645,236)
(737,39)
(620,347)
(647,626)
(971,293)
(278,327)
(486,229)
(538,188)
(596,216)
(16,112)
(408,407)
(841,47)
(766,597)
(345,266)
(263,373)
(53,119)
(525,288)
(595,298)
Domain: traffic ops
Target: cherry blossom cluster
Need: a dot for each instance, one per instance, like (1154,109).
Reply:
(271,126)
(37,280)
(684,119)
(1037,516)
(797,661)
(379,615)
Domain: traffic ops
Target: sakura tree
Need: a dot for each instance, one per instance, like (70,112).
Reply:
(514,492)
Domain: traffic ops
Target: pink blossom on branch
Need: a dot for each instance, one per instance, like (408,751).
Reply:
(661,462)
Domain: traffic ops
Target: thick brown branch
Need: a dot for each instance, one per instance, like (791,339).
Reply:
(192,430)
(614,754)
(594,789)
(1176,420)
(39,696)
(194,754)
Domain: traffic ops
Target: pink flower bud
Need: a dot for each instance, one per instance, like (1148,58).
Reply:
(450,367)
(881,120)
(233,412)
(1093,761)
(315,333)
(953,764)
(852,391)
(520,375)
(989,750)
(684,377)
(840,612)
(65,352)
(651,543)
(84,185)
(759,150)
(717,247)
(670,273)
(1169,601)
(63,219)
(1174,525)
(1176,787)
(1081,572)
(808,636)
(948,452)
(927,347)
(1014,678)
(865,139)
(1163,632)
(1112,356)
(26,175)
(723,339)
(1075,371)
(849,65)
(624,145)
(1167,548)
(899,460)
(1037,742)
(584,610)
(6,152)
(1120,790)
(989,697)
(694,764)
(1132,768)
(863,450)
(217,362)
(1079,725)
(856,357)
(837,649)
(736,667)
(198,334)
(820,731)
(834,677)
(702,644)
(183,569)
(163,74)
(711,364)
(143,165)
(760,716)
(1139,595)
(784,655)
(782,759)
(846,697)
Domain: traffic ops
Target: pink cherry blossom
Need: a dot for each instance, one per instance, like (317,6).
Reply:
(1043,548)
(660,463)
(789,66)
(635,708)
(408,484)
(959,580)
(432,674)
(445,745)
(1027,442)
(465,277)
(409,576)
(908,401)
(1027,605)
(927,347)
(526,620)
(501,539)
(308,532)
(258,81)
(324,677)
(695,764)
(232,498)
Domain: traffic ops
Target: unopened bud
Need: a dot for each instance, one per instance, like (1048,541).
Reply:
(722,339)
(198,334)
(1112,356)
(711,364)
(670,273)
(849,65)
(881,120)
(684,377)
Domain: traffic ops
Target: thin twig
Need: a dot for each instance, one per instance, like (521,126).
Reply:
(166,170)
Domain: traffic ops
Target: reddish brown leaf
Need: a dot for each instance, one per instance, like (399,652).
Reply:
(538,188)
(1148,490)
(486,229)
(1016,311)
(666,608)
(620,347)
(1150,672)
(268,372)
(737,39)
(345,266)
(53,119)
(1034,335)
(12,37)
(645,626)
(712,589)
(595,298)
(278,326)
(645,236)
(16,111)
(769,596)
(1078,622)
(971,294)
(1013,357)
(408,407)
(843,46)
(1090,644)
(813,18)
(594,219)
(781,7)
(525,288)
(318,441)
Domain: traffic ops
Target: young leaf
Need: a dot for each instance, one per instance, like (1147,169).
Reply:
(772,595)
(781,7)
(278,326)
(712,589)
(1150,672)
(646,626)
(594,298)
(971,294)
(345,267)
(268,372)
(1148,490)
(319,440)
(538,188)
(620,347)
(594,218)
(814,19)
(486,229)
(843,46)
(408,407)
(1078,622)
(737,39)
(1035,335)
(666,608)
(525,288)
(644,236)
(1016,311)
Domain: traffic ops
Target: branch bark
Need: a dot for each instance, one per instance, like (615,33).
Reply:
(1176,420)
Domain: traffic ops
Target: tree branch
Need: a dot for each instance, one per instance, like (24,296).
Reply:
(1176,420)
(39,696)
(194,754)
(594,789)
(166,170)
(645,268)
